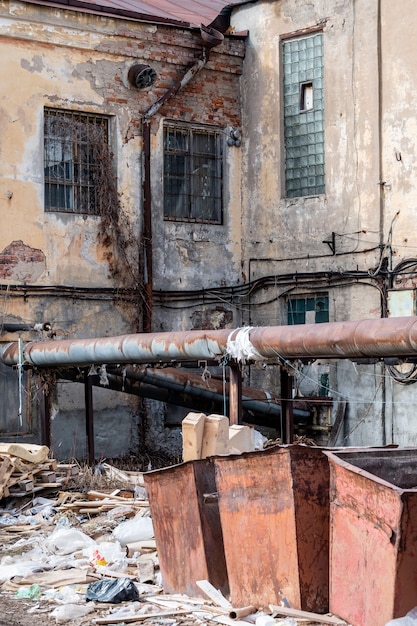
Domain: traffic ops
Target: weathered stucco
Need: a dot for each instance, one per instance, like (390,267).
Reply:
(340,241)
(85,277)
(348,242)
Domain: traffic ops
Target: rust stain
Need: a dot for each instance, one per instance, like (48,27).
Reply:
(275,529)
(373,535)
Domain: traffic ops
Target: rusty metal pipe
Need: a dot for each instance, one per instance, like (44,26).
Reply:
(344,340)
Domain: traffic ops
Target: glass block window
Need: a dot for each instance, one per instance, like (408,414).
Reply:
(75,147)
(192,174)
(308,309)
(304,116)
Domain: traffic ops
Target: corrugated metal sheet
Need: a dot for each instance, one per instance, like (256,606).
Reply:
(187,12)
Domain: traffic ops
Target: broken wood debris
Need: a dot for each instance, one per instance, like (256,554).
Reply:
(26,469)
(296,613)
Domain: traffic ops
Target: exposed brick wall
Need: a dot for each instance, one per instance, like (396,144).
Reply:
(211,97)
(21,263)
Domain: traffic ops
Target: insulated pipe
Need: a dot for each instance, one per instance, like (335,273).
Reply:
(395,336)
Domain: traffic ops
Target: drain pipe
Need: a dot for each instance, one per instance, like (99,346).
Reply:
(210,38)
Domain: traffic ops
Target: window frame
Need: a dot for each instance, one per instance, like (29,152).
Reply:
(190,208)
(73,151)
(294,313)
(303,170)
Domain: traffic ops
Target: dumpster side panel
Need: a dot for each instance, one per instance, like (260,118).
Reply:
(406,584)
(365,529)
(257,514)
(175,511)
(311,478)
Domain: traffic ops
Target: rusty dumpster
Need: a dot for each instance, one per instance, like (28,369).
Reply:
(186,521)
(373,534)
(274,510)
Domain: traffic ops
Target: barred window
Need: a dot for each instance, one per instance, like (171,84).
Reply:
(74,146)
(192,174)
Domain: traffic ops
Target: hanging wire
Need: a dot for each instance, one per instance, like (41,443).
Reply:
(403,378)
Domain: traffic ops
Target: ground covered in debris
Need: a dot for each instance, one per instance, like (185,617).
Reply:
(89,556)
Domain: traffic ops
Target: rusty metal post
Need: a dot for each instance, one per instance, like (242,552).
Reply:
(89,418)
(235,396)
(45,415)
(287,413)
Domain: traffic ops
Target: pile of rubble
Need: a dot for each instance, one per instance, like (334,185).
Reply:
(91,558)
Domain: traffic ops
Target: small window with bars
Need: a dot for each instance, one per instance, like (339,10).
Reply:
(75,147)
(308,309)
(192,174)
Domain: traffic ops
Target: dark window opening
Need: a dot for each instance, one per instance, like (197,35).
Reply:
(306,96)
(192,174)
(308,309)
(74,147)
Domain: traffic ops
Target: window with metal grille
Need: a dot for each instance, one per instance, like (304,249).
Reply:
(308,309)
(304,116)
(192,174)
(74,146)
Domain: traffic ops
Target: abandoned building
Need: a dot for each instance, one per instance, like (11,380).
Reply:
(205,167)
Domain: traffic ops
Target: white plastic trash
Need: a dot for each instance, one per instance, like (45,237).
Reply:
(265,620)
(136,529)
(67,541)
(68,612)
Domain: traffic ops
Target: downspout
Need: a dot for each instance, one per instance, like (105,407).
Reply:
(381,204)
(210,38)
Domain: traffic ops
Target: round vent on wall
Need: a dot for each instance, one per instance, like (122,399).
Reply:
(141,76)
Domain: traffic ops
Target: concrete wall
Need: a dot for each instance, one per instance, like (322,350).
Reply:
(370,141)
(59,267)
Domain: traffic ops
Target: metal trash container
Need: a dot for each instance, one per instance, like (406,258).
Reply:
(274,510)
(187,527)
(373,534)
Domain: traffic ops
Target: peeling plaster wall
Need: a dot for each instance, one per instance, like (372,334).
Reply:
(53,57)
(370,193)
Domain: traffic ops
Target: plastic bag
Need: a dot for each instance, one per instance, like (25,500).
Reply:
(109,590)
(107,553)
(31,593)
(136,529)
(67,541)
(68,612)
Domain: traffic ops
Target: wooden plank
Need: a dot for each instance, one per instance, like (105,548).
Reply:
(6,470)
(214,594)
(26,451)
(137,618)
(322,619)
(46,476)
(192,436)
(215,436)
(70,469)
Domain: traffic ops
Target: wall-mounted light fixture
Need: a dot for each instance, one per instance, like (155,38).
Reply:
(141,76)
(234,138)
